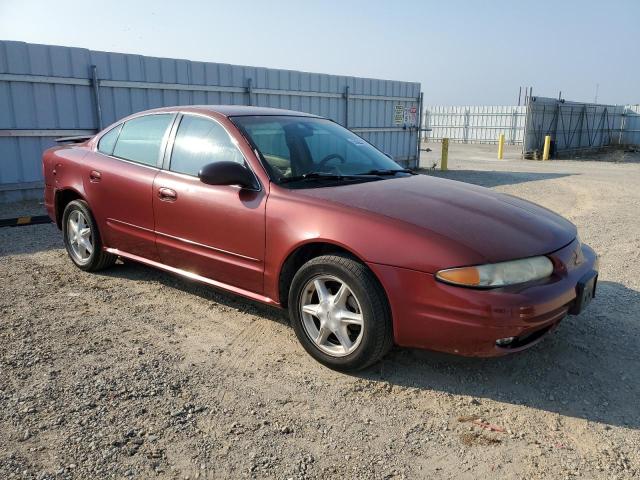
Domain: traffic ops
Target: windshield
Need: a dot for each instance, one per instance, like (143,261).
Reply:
(295,147)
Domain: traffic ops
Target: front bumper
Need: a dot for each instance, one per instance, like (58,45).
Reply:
(433,315)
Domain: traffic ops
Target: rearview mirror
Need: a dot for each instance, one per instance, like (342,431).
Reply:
(227,173)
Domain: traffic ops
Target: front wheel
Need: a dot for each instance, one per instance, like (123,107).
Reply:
(82,238)
(340,313)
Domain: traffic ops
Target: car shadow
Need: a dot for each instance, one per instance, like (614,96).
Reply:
(493,178)
(140,272)
(588,368)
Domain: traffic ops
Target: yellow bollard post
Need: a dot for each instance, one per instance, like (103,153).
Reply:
(444,159)
(501,146)
(547,147)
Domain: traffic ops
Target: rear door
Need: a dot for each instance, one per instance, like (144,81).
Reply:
(215,231)
(120,181)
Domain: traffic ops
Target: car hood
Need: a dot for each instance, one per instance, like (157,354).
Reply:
(496,226)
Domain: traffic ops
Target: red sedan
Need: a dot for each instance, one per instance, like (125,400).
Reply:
(293,210)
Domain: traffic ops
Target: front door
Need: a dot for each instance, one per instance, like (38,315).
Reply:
(214,231)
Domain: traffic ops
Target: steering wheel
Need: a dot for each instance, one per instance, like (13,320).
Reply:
(329,157)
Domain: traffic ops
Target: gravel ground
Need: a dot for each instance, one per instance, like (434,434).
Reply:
(134,373)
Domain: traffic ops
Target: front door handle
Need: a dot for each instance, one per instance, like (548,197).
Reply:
(167,194)
(95,176)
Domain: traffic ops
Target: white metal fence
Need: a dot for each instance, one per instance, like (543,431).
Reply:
(474,124)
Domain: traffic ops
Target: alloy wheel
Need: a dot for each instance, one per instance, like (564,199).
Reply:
(331,315)
(80,236)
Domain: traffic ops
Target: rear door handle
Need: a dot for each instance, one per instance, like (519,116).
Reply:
(95,176)
(167,194)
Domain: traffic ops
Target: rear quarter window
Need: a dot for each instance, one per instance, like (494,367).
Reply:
(141,139)
(108,140)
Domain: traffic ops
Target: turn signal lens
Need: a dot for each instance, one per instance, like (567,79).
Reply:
(461,276)
(498,274)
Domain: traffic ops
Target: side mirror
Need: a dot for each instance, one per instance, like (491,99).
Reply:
(227,173)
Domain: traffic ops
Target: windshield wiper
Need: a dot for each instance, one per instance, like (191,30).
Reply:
(370,175)
(319,175)
(388,172)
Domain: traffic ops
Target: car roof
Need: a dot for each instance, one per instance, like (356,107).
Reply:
(235,110)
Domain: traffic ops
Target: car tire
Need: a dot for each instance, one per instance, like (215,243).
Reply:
(346,329)
(82,238)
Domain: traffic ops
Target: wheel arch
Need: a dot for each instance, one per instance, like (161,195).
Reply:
(304,252)
(62,198)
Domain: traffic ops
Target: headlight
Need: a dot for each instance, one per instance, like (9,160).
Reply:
(498,274)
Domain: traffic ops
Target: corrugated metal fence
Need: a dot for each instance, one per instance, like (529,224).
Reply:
(573,126)
(631,127)
(474,124)
(49,91)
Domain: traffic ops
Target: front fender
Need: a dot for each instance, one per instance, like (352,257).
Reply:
(293,220)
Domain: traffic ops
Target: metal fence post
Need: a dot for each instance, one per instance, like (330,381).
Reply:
(346,106)
(513,126)
(554,132)
(527,126)
(466,126)
(96,94)
(250,90)
(419,131)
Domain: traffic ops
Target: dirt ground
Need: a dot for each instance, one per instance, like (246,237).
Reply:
(134,373)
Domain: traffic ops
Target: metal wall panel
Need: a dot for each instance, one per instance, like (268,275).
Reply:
(573,126)
(47,91)
(631,128)
(474,123)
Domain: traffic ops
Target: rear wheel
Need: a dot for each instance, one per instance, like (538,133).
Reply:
(82,238)
(340,313)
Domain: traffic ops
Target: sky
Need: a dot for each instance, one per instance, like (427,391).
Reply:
(462,52)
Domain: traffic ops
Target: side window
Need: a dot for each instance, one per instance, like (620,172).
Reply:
(198,142)
(140,139)
(108,140)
